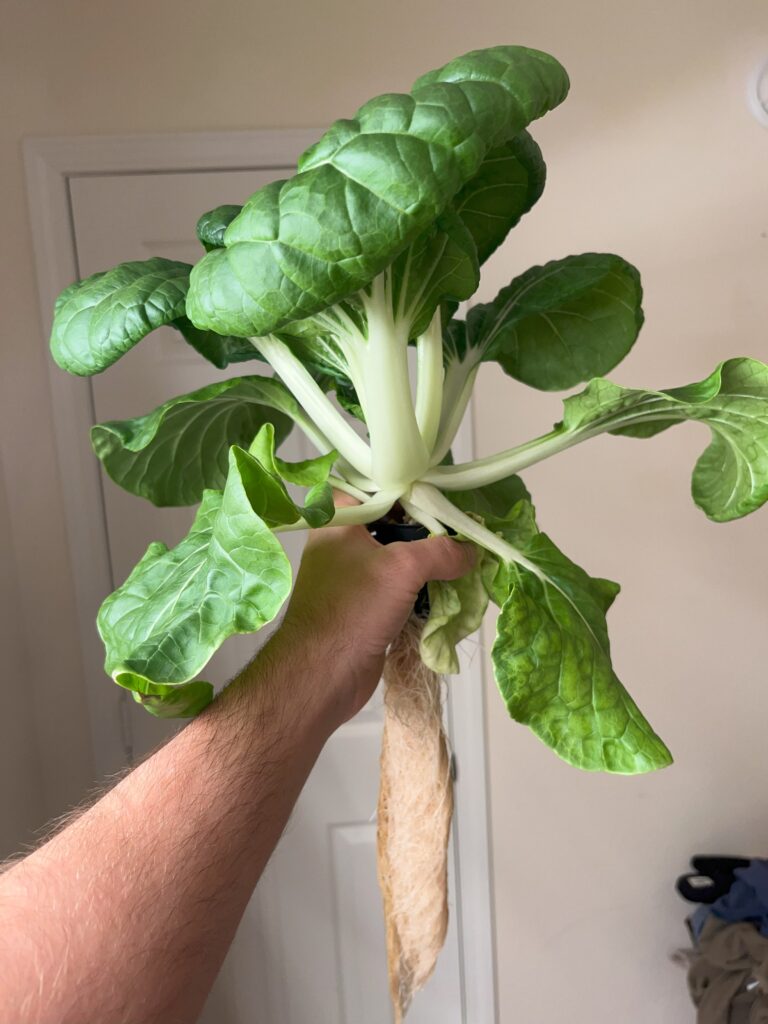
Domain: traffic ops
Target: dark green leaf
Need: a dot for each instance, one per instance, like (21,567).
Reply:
(99,319)
(211,226)
(367,189)
(348,400)
(562,323)
(216,348)
(314,342)
(510,180)
(319,353)
(493,501)
(441,264)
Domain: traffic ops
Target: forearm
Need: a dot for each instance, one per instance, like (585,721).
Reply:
(127,914)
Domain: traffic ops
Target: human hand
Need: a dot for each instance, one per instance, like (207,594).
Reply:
(351,599)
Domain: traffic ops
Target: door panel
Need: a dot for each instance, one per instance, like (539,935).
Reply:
(311,944)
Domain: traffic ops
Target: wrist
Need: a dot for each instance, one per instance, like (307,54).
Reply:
(291,687)
(316,671)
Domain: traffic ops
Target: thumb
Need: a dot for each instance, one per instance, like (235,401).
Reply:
(436,558)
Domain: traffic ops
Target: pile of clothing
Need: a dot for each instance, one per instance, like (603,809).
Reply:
(728,966)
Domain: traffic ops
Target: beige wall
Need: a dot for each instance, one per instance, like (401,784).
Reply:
(20,768)
(672,173)
(654,156)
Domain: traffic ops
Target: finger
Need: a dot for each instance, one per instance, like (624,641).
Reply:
(343,500)
(340,534)
(437,558)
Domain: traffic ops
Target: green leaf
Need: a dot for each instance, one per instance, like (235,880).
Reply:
(184,700)
(171,455)
(510,180)
(368,188)
(348,400)
(99,319)
(551,656)
(458,354)
(265,491)
(228,575)
(505,508)
(440,264)
(730,479)
(263,473)
(562,323)
(456,610)
(316,342)
(312,343)
(221,350)
(211,226)
(553,667)
(493,501)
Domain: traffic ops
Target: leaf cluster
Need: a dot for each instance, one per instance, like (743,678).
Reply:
(330,278)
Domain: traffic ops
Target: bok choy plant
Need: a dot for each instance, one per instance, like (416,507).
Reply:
(329,277)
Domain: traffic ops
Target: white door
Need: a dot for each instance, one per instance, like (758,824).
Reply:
(310,949)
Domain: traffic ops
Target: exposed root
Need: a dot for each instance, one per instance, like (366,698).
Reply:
(414,818)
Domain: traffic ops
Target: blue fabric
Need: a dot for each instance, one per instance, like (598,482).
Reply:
(747,899)
(698,919)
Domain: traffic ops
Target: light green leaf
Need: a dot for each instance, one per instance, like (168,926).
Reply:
(171,455)
(184,700)
(551,656)
(263,473)
(518,528)
(510,180)
(228,575)
(730,479)
(504,507)
(456,609)
(369,187)
(562,323)
(211,226)
(265,491)
(552,664)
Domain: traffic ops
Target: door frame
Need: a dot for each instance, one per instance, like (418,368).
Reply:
(51,163)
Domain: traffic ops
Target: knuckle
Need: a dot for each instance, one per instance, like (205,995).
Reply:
(452,557)
(446,547)
(400,566)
